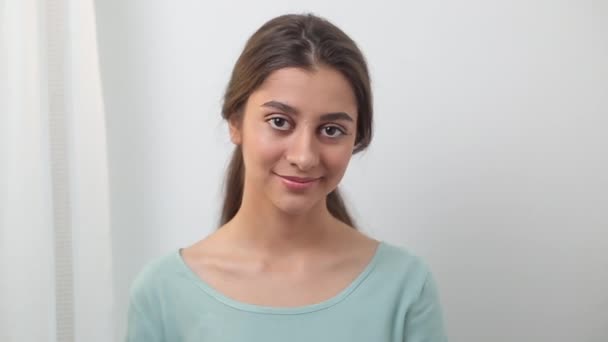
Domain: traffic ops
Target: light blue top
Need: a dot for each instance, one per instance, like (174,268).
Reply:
(393,299)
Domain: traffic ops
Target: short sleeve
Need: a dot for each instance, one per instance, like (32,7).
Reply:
(143,319)
(424,319)
(140,327)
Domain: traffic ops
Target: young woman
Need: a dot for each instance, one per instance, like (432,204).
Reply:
(287,263)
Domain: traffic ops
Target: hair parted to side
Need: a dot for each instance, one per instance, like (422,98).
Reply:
(294,40)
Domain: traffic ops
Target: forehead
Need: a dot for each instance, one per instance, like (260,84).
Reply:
(316,91)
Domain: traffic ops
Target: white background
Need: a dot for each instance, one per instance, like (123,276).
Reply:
(490,155)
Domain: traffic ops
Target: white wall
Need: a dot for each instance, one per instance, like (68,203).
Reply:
(490,153)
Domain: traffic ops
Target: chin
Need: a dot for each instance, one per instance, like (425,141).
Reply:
(295,207)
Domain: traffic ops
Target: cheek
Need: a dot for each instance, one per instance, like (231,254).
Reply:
(261,148)
(337,160)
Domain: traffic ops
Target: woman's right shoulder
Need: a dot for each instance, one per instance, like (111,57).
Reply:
(155,275)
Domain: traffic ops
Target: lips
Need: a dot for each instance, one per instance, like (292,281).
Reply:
(300,179)
(298,184)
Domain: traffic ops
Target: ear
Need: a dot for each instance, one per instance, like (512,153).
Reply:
(234,125)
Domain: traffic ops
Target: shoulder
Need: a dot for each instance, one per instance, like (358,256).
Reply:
(147,309)
(403,258)
(155,277)
(402,266)
(418,295)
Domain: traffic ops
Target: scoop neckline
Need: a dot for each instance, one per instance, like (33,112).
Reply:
(281,310)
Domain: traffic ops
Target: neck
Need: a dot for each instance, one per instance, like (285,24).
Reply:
(264,228)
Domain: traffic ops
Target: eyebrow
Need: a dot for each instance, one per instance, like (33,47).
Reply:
(291,110)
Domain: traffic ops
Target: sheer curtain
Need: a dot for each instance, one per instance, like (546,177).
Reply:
(55,243)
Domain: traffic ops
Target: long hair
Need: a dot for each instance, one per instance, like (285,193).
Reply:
(302,41)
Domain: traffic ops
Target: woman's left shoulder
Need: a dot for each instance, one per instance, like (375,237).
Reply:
(400,260)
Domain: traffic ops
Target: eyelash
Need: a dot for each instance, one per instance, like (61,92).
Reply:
(340,129)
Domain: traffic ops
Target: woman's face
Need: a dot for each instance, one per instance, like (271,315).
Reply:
(297,136)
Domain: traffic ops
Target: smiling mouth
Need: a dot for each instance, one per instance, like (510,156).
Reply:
(299,179)
(298,183)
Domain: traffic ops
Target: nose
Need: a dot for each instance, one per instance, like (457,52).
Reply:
(302,151)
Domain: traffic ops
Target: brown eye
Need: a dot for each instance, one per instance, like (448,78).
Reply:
(332,131)
(279,123)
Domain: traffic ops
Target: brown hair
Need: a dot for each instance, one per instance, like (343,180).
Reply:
(303,41)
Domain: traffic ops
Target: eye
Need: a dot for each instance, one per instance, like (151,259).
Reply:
(279,123)
(332,131)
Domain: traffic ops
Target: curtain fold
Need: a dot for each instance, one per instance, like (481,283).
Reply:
(55,236)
